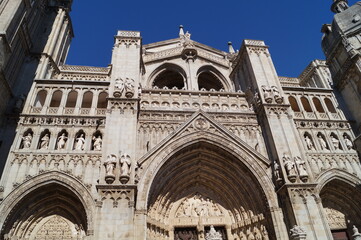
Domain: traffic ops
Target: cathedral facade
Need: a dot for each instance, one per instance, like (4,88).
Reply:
(178,140)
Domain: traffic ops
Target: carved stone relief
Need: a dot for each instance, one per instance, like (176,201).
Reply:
(198,206)
(335,219)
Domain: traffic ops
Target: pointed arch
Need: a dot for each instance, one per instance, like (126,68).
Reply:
(209,77)
(168,75)
(49,194)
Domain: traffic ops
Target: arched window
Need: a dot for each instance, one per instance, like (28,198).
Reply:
(71,100)
(208,81)
(330,106)
(318,105)
(102,100)
(56,98)
(306,104)
(169,78)
(87,100)
(294,104)
(40,99)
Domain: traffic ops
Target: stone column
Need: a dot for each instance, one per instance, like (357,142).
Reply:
(282,137)
(116,187)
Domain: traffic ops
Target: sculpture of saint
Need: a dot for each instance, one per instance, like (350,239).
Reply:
(27,140)
(44,144)
(61,141)
(97,143)
(80,141)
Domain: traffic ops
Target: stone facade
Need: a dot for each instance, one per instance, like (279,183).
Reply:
(178,140)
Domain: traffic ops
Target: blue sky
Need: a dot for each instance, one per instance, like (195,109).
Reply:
(290,27)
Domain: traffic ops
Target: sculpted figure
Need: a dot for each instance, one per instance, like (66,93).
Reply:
(348,142)
(289,165)
(125,164)
(277,170)
(129,85)
(296,231)
(110,164)
(80,141)
(301,166)
(27,140)
(61,141)
(335,142)
(98,142)
(267,94)
(322,142)
(45,142)
(309,143)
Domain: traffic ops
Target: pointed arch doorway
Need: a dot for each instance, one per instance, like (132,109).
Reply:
(203,191)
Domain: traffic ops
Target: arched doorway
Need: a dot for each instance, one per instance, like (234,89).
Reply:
(342,208)
(203,186)
(51,211)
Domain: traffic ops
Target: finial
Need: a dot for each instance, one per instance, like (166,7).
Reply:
(230,48)
(339,6)
(181,32)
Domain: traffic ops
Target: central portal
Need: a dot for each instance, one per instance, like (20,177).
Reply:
(203,192)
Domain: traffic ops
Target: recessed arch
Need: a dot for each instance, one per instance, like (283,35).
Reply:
(56,98)
(339,195)
(102,100)
(318,105)
(331,108)
(71,99)
(49,194)
(211,154)
(306,104)
(87,99)
(209,78)
(294,104)
(168,76)
(40,98)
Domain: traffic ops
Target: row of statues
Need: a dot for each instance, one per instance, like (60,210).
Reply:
(323,144)
(110,167)
(271,93)
(79,143)
(294,167)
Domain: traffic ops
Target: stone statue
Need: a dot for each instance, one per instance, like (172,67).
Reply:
(276,95)
(289,165)
(27,140)
(125,164)
(98,142)
(297,231)
(335,142)
(61,141)
(348,142)
(322,142)
(80,141)
(309,143)
(110,165)
(119,84)
(264,232)
(300,164)
(267,94)
(45,142)
(356,235)
(277,171)
(213,234)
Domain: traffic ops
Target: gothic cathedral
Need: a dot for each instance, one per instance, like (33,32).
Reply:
(176,140)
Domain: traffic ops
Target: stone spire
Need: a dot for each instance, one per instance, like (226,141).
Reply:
(339,6)
(181,32)
(230,48)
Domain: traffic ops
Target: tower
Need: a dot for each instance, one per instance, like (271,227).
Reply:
(34,40)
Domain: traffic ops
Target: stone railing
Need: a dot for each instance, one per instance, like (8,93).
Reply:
(156,99)
(289,82)
(83,73)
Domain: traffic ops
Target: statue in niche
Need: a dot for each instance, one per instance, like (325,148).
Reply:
(79,142)
(44,144)
(335,142)
(289,165)
(125,165)
(348,142)
(110,165)
(62,141)
(98,142)
(27,140)
(309,143)
(322,142)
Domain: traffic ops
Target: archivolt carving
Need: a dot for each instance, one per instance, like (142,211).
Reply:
(335,219)
(198,206)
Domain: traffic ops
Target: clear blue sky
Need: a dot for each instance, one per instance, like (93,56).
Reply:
(290,27)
